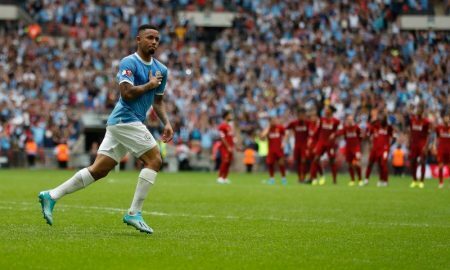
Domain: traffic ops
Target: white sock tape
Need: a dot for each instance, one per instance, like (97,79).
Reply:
(86,177)
(148,175)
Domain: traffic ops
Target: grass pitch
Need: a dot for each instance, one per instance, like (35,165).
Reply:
(199,224)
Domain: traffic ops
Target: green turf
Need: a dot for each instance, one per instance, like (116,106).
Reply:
(199,224)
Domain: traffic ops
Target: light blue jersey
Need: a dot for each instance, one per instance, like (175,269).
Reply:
(134,70)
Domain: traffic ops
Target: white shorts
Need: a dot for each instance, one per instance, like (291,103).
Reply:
(129,137)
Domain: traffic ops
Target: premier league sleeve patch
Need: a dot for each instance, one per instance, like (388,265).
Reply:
(127,73)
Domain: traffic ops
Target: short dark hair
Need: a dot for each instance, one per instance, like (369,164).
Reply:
(301,110)
(147,26)
(225,114)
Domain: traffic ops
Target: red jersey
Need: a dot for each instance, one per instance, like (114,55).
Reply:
(443,137)
(352,136)
(226,133)
(275,137)
(301,130)
(419,129)
(327,128)
(381,136)
(313,126)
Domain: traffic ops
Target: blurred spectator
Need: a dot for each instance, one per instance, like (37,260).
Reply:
(183,152)
(249,159)
(31,150)
(276,55)
(398,160)
(62,153)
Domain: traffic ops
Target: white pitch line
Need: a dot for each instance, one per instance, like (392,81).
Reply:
(26,206)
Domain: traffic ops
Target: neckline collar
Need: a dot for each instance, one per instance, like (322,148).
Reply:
(142,60)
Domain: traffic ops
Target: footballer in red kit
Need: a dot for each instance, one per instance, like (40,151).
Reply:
(381,134)
(443,146)
(300,128)
(326,143)
(275,134)
(419,129)
(226,147)
(353,136)
(311,144)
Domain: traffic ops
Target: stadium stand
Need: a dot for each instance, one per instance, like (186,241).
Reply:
(352,54)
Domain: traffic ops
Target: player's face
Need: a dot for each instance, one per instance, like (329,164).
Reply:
(229,117)
(301,115)
(447,119)
(148,41)
(273,121)
(328,112)
(419,112)
(350,120)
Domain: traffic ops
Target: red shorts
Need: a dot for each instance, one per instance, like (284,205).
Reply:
(352,155)
(300,153)
(379,155)
(225,155)
(274,156)
(322,148)
(416,151)
(443,155)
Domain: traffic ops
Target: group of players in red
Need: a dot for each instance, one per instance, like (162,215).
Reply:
(315,137)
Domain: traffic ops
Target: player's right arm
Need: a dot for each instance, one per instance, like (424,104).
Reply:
(130,92)
(125,78)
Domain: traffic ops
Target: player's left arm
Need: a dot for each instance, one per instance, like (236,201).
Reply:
(160,110)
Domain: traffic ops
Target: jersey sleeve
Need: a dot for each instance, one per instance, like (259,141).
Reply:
(337,123)
(290,125)
(222,131)
(391,131)
(162,87)
(126,71)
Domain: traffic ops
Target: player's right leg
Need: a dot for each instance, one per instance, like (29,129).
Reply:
(101,167)
(372,159)
(270,161)
(317,153)
(224,165)
(282,166)
(413,162)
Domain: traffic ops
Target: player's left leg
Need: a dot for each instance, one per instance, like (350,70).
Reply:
(422,162)
(299,161)
(385,172)
(270,161)
(372,160)
(147,177)
(441,175)
(349,160)
(282,166)
(227,168)
(224,167)
(332,156)
(413,164)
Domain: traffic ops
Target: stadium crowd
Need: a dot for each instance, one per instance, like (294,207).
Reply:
(276,56)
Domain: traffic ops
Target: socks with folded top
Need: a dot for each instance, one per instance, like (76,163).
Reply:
(78,181)
(146,179)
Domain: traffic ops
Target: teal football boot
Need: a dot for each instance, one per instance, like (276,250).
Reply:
(138,222)
(47,204)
